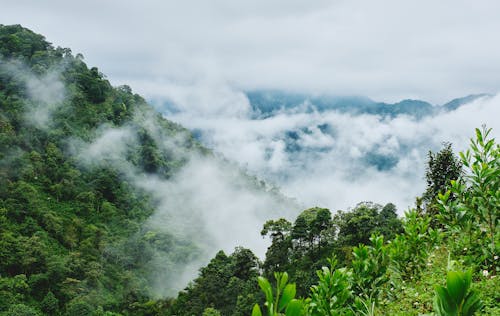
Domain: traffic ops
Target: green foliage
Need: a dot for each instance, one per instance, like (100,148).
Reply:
(70,233)
(332,294)
(442,168)
(282,300)
(369,268)
(357,226)
(488,288)
(79,308)
(410,250)
(21,310)
(209,311)
(277,255)
(475,208)
(224,282)
(457,298)
(50,304)
(365,307)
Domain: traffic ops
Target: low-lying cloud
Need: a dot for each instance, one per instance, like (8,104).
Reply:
(335,159)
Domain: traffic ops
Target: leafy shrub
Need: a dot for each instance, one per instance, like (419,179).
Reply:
(369,268)
(332,294)
(475,208)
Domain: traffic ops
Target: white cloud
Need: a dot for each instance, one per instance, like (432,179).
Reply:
(45,92)
(208,203)
(111,145)
(331,170)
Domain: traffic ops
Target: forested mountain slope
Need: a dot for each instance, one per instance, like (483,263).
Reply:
(83,167)
(70,229)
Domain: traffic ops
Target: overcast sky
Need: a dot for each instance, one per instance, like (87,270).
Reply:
(386,50)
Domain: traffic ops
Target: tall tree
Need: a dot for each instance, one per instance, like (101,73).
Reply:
(442,168)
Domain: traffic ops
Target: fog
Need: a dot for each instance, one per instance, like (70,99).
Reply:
(208,203)
(45,92)
(334,168)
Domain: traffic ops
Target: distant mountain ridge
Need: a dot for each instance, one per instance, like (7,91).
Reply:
(266,103)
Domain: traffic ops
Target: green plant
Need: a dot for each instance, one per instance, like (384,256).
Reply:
(369,268)
(484,179)
(409,251)
(442,167)
(457,299)
(284,300)
(209,311)
(364,307)
(475,208)
(330,297)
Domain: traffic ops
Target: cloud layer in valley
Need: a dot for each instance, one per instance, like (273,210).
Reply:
(336,160)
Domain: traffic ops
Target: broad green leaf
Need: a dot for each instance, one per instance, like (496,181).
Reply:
(467,279)
(479,136)
(256,310)
(283,280)
(294,308)
(472,304)
(456,286)
(445,301)
(287,296)
(266,288)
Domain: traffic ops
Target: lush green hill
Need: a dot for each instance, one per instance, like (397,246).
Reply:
(72,233)
(83,166)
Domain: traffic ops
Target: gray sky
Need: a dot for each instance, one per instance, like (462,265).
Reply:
(387,50)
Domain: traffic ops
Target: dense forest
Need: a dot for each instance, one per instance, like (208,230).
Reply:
(75,240)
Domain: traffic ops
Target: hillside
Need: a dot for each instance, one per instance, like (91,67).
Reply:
(102,199)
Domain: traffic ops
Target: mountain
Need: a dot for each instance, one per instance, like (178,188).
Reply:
(103,202)
(456,103)
(266,103)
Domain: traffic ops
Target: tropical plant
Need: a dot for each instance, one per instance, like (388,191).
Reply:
(332,294)
(457,299)
(410,250)
(476,207)
(442,167)
(364,307)
(282,300)
(369,268)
